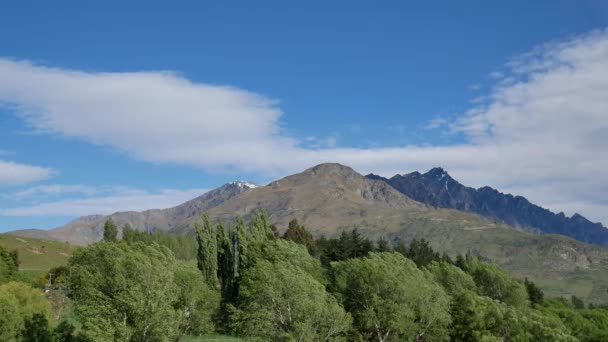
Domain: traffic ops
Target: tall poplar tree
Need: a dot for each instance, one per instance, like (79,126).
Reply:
(207,251)
(238,238)
(260,228)
(110,231)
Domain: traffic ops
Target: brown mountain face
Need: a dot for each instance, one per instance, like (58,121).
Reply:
(325,198)
(330,198)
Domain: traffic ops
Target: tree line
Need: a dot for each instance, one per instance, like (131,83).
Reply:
(247,280)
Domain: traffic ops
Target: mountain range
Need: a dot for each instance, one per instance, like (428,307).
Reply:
(438,189)
(330,198)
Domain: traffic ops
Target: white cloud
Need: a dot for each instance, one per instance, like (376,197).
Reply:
(496,75)
(54,190)
(124,199)
(436,123)
(542,132)
(12,173)
(155,116)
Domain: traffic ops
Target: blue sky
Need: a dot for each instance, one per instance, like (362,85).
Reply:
(113,107)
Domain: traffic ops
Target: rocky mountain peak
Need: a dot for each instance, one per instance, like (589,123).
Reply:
(330,169)
(328,173)
(437,172)
(438,189)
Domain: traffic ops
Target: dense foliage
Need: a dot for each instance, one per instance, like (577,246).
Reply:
(244,280)
(391,299)
(9,264)
(20,303)
(182,246)
(136,292)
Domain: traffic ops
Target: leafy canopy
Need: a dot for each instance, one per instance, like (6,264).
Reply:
(389,297)
(129,291)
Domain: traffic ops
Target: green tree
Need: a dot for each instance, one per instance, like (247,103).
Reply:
(110,231)
(281,302)
(476,317)
(225,257)
(9,264)
(184,247)
(199,301)
(421,252)
(453,279)
(10,320)
(19,303)
(64,332)
(577,302)
(382,246)
(599,324)
(127,292)
(239,243)
(460,262)
(207,251)
(575,320)
(496,283)
(260,227)
(535,294)
(350,244)
(390,298)
(277,251)
(14,255)
(358,245)
(479,318)
(36,329)
(539,327)
(445,257)
(129,234)
(297,233)
(274,230)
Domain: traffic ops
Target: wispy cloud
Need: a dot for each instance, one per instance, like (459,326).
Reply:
(12,173)
(54,190)
(122,199)
(496,75)
(313,142)
(436,123)
(542,130)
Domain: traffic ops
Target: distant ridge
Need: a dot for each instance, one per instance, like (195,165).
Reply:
(89,229)
(439,189)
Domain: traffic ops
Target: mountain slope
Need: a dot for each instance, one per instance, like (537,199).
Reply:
(89,229)
(326,197)
(438,189)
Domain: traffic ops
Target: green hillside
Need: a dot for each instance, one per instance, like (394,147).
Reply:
(36,255)
(559,265)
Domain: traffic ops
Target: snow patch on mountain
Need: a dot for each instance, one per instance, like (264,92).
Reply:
(244,184)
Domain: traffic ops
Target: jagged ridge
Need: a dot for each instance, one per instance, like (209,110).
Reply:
(438,189)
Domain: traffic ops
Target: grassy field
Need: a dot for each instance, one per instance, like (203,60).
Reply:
(212,338)
(37,256)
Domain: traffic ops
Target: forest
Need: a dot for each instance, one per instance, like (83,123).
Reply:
(250,282)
